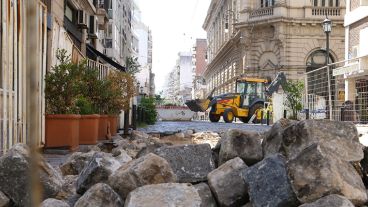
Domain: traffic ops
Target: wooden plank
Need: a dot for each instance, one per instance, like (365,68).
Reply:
(23,111)
(4,54)
(43,103)
(39,69)
(14,87)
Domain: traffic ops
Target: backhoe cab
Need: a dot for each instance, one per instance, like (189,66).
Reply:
(251,93)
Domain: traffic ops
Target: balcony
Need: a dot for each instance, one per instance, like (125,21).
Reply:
(267,11)
(323,11)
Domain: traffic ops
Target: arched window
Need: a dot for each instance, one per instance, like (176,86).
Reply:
(317,79)
(317,60)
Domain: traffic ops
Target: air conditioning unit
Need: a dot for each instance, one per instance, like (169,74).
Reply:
(82,18)
(93,27)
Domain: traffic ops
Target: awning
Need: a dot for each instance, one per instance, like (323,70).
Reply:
(91,51)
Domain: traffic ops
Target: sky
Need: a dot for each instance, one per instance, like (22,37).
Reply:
(175,25)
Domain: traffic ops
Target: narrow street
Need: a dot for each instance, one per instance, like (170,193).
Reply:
(138,103)
(201,126)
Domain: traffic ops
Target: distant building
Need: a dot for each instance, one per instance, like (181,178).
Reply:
(179,81)
(143,51)
(118,39)
(199,66)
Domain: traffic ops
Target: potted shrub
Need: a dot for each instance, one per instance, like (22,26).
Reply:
(61,91)
(121,90)
(87,105)
(101,100)
(88,124)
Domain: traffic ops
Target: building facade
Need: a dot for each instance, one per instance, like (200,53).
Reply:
(356,42)
(199,66)
(179,80)
(143,34)
(119,37)
(259,38)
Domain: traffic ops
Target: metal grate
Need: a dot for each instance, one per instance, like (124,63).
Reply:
(326,96)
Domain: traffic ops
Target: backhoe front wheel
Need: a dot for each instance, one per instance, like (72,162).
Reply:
(214,117)
(255,110)
(228,115)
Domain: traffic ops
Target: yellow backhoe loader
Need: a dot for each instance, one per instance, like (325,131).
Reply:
(251,94)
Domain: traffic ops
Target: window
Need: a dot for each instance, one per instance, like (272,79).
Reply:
(363,42)
(337,3)
(330,3)
(315,3)
(108,43)
(69,12)
(267,3)
(323,2)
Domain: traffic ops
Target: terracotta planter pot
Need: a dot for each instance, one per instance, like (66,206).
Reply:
(62,130)
(102,127)
(113,124)
(88,129)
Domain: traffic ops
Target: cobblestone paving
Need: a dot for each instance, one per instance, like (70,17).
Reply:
(201,126)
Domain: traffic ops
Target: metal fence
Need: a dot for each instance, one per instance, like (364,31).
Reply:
(326,96)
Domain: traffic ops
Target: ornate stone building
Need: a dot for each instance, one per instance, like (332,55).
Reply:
(262,37)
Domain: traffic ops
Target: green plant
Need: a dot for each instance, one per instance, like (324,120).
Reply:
(120,90)
(294,94)
(92,89)
(85,106)
(132,65)
(62,86)
(149,105)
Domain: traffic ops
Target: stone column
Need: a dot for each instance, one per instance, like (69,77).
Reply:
(350,89)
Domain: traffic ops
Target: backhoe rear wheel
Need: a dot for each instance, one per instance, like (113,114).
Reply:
(214,117)
(228,115)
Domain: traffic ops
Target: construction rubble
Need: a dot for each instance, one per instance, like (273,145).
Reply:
(311,163)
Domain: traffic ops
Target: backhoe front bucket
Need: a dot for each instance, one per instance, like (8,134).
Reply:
(198,104)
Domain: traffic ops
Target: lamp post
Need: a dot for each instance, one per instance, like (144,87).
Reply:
(327,26)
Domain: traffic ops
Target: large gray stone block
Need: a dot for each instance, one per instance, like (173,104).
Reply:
(272,142)
(204,192)
(317,172)
(164,195)
(268,183)
(100,195)
(51,202)
(227,184)
(244,144)
(340,137)
(149,169)
(15,176)
(98,170)
(190,163)
(330,201)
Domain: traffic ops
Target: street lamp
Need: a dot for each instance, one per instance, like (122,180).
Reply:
(327,26)
(141,90)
